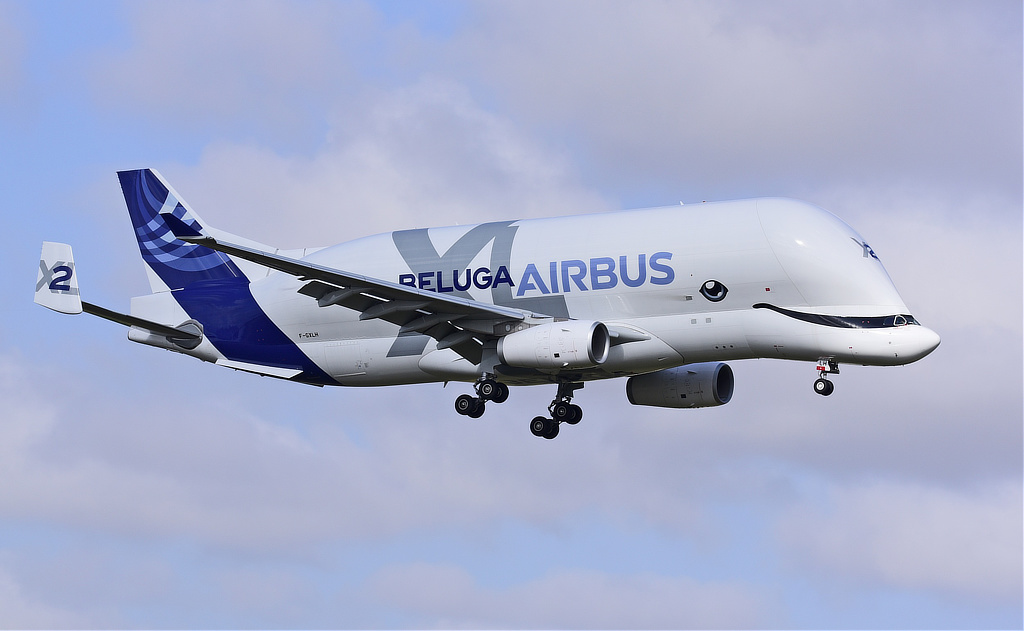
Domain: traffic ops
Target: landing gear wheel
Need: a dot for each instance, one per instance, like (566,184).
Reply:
(561,411)
(540,426)
(824,387)
(544,427)
(502,395)
(576,416)
(466,405)
(487,389)
(478,411)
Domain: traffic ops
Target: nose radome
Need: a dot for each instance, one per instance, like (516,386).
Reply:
(919,342)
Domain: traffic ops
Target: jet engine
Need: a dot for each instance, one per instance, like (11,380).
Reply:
(690,386)
(569,344)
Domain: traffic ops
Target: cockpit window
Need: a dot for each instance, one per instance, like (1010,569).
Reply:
(844,322)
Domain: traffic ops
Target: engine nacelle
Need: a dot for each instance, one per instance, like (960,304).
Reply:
(569,344)
(691,386)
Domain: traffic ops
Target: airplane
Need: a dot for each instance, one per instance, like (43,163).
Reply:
(661,296)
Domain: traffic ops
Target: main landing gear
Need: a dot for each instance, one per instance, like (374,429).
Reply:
(487,389)
(822,385)
(562,410)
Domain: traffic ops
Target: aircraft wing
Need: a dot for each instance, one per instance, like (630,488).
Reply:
(457,323)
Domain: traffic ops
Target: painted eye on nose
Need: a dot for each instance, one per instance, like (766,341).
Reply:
(713,290)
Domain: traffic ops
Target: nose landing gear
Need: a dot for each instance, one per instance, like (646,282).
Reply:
(822,385)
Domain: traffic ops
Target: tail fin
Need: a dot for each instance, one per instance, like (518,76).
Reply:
(57,283)
(170,263)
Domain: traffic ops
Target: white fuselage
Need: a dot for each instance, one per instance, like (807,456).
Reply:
(639,272)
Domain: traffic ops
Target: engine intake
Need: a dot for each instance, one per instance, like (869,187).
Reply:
(569,344)
(690,386)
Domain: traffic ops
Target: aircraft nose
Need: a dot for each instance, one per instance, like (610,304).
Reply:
(919,341)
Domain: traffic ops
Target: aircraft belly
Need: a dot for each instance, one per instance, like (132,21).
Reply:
(873,347)
(448,365)
(703,336)
(772,336)
(365,362)
(351,351)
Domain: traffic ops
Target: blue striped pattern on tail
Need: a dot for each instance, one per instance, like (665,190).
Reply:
(178,264)
(210,287)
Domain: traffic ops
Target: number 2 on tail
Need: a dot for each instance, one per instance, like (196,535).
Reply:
(62,274)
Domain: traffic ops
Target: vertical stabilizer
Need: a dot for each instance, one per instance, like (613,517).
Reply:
(171,263)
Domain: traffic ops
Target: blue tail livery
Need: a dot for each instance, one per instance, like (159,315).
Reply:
(176,263)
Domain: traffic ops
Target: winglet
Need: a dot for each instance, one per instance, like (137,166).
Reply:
(57,283)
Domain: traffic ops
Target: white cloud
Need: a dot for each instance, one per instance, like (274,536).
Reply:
(446,596)
(229,65)
(27,419)
(12,46)
(965,544)
(146,447)
(715,99)
(253,464)
(126,459)
(20,611)
(957,262)
(423,155)
(719,97)
(384,465)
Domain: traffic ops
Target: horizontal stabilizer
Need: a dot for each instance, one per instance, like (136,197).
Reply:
(181,334)
(57,289)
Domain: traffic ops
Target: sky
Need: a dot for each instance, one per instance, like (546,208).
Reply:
(140,488)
